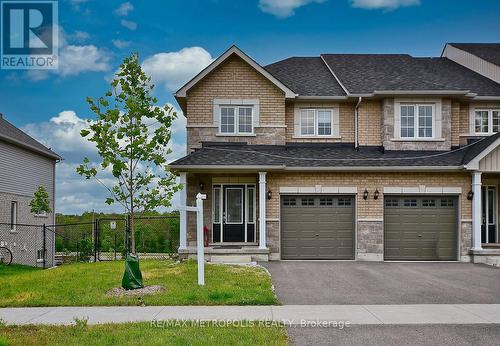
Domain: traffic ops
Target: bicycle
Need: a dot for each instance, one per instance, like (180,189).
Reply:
(5,256)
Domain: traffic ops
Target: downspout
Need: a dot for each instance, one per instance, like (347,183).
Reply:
(356,124)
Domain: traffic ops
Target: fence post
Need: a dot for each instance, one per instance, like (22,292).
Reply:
(44,249)
(96,238)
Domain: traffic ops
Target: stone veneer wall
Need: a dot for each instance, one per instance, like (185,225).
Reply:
(389,134)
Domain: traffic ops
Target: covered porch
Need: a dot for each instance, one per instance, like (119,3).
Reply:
(485,205)
(235,227)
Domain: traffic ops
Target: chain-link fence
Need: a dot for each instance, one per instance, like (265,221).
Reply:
(104,239)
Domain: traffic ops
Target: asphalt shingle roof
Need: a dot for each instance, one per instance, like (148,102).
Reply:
(327,155)
(486,51)
(306,76)
(366,73)
(12,134)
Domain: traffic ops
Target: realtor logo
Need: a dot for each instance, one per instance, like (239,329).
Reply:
(29,34)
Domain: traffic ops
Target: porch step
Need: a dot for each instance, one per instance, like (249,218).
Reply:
(231,259)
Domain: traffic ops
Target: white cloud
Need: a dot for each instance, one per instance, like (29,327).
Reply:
(383,4)
(129,24)
(120,44)
(124,9)
(173,69)
(284,8)
(74,60)
(80,36)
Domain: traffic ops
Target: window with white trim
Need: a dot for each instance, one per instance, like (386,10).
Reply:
(235,120)
(316,122)
(486,121)
(417,120)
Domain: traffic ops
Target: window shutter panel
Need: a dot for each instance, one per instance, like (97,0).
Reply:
(296,122)
(336,122)
(256,115)
(216,115)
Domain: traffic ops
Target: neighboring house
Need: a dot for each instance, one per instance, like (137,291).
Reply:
(25,164)
(482,58)
(342,156)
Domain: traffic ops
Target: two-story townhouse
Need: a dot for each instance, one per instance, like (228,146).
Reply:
(25,164)
(342,156)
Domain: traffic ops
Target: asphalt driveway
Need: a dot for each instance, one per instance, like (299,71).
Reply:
(318,283)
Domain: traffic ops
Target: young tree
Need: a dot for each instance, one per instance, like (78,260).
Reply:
(40,202)
(131,135)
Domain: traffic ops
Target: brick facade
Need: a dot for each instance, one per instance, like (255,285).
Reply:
(235,79)
(369,212)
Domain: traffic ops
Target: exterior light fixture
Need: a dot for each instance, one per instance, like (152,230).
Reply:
(202,186)
(365,194)
(470,195)
(376,194)
(269,194)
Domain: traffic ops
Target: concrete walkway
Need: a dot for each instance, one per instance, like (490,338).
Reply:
(289,314)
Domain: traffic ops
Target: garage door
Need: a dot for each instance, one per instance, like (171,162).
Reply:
(317,227)
(420,228)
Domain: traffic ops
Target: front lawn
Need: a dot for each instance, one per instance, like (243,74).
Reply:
(86,284)
(141,334)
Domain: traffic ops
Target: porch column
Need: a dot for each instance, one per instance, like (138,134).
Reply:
(183,212)
(262,210)
(476,210)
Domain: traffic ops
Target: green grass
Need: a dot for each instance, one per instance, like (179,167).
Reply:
(86,284)
(141,334)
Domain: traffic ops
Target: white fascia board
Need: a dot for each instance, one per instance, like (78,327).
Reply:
(487,98)
(318,169)
(421,92)
(322,97)
(474,163)
(234,50)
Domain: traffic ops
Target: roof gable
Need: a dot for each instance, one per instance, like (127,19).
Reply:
(11,134)
(182,92)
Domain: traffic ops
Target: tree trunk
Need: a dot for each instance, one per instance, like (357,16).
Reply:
(132,234)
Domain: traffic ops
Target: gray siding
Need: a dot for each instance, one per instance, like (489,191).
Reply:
(22,171)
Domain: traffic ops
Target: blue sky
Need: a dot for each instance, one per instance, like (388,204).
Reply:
(177,38)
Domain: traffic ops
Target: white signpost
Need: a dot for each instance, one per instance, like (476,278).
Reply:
(199,236)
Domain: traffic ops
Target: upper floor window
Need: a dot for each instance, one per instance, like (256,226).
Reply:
(316,122)
(486,121)
(417,120)
(236,120)
(236,117)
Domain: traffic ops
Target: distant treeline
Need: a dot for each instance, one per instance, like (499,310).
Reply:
(154,232)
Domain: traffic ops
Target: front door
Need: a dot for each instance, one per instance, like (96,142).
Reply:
(233,215)
(489,215)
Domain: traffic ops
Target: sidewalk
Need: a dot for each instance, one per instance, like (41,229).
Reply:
(288,314)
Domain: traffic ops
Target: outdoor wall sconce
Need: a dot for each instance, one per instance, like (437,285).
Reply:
(470,195)
(365,194)
(376,194)
(269,194)
(202,186)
